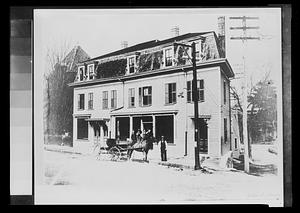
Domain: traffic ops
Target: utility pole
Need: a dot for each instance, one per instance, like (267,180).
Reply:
(196,112)
(195,98)
(244,39)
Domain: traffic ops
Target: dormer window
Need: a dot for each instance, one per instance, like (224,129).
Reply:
(168,57)
(198,49)
(131,65)
(91,71)
(81,73)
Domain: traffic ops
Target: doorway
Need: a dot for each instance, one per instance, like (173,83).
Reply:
(164,126)
(122,128)
(82,129)
(203,136)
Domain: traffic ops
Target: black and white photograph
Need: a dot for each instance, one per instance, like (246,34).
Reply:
(158,106)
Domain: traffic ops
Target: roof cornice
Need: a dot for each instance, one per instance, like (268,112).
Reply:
(185,68)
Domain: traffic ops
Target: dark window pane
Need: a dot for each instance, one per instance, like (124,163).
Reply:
(201,95)
(82,129)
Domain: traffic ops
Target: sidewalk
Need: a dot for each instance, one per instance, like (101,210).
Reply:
(184,162)
(57,148)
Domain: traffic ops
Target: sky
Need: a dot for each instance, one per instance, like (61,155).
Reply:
(100,31)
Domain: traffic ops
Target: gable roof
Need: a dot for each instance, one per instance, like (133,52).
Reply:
(148,44)
(77,54)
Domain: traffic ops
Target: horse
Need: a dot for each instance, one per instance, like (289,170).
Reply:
(144,146)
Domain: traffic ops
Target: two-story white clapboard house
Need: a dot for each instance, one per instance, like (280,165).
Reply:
(148,86)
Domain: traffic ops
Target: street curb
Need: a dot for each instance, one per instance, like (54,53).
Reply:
(175,165)
(63,151)
(168,164)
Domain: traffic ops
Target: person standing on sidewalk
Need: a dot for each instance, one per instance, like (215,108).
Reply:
(162,144)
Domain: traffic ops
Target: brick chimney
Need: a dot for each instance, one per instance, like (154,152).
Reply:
(124,44)
(175,31)
(221,35)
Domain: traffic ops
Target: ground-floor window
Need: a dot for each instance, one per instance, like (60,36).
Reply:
(164,126)
(82,128)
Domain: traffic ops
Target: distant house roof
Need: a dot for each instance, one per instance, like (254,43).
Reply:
(77,54)
(148,44)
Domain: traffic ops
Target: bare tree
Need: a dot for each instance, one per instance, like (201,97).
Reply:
(58,96)
(251,107)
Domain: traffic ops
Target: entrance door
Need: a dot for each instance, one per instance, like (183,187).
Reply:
(164,126)
(122,128)
(82,128)
(203,136)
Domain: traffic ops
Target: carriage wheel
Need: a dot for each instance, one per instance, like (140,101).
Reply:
(114,153)
(98,155)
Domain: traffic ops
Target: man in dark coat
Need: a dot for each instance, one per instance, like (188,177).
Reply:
(162,144)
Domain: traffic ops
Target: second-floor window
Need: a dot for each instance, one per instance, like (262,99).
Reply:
(131,97)
(91,71)
(105,100)
(114,99)
(170,93)
(168,57)
(90,101)
(81,101)
(200,90)
(145,96)
(131,64)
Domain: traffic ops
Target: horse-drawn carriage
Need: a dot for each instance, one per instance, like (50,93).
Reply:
(116,149)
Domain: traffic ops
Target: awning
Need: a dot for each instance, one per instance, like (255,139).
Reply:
(202,116)
(154,112)
(97,119)
(82,115)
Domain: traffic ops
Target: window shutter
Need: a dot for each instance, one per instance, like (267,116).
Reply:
(103,97)
(188,93)
(129,97)
(192,90)
(150,95)
(115,98)
(92,101)
(202,90)
(78,101)
(174,92)
(166,93)
(140,96)
(111,99)
(83,101)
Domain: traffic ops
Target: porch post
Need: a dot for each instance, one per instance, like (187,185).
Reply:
(154,127)
(208,137)
(101,134)
(130,125)
(74,131)
(174,128)
(90,132)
